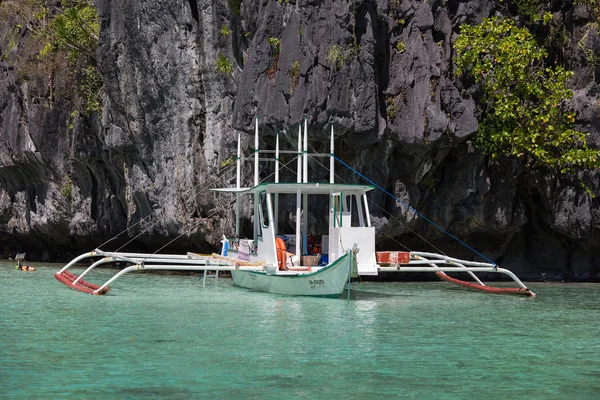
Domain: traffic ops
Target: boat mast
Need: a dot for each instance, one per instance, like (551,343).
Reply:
(276,216)
(305,196)
(256,219)
(256,152)
(331,199)
(237,186)
(305,157)
(299,169)
(298,196)
(331,160)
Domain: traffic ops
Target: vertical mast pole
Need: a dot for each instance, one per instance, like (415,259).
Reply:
(299,169)
(277,158)
(331,160)
(256,219)
(331,199)
(305,196)
(237,185)
(256,152)
(276,211)
(298,195)
(305,173)
(238,166)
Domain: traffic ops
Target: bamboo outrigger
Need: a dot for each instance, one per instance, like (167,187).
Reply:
(267,263)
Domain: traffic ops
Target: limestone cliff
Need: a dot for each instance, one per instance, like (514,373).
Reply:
(170,119)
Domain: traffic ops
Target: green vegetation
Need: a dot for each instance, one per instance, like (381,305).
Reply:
(75,30)
(235,7)
(223,65)
(401,47)
(433,86)
(294,75)
(335,56)
(532,9)
(592,6)
(522,98)
(227,162)
(338,56)
(13,42)
(591,57)
(225,31)
(67,189)
(62,37)
(430,182)
(71,122)
(275,43)
(390,107)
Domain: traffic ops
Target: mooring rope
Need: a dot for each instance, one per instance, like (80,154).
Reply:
(213,214)
(383,210)
(408,207)
(223,173)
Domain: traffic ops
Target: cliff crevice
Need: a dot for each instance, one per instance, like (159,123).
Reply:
(382,72)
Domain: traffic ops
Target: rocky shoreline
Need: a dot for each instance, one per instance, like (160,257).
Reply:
(169,122)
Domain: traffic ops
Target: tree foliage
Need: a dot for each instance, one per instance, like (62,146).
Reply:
(523,113)
(63,32)
(73,29)
(223,65)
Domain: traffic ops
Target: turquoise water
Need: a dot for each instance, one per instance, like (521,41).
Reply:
(168,337)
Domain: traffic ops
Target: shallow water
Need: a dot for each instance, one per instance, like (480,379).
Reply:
(166,336)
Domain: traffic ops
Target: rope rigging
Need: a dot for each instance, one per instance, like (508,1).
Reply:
(409,208)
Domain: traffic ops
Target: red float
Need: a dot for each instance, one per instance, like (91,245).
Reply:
(488,289)
(67,278)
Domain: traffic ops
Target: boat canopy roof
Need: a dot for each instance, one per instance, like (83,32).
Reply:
(291,188)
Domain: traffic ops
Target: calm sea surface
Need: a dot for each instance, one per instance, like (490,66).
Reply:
(166,336)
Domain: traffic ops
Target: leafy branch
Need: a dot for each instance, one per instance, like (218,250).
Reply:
(523,113)
(64,34)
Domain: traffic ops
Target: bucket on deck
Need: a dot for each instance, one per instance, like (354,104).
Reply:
(310,260)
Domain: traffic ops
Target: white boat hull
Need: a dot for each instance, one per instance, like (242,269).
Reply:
(326,282)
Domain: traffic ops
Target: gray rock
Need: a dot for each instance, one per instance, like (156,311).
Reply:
(140,169)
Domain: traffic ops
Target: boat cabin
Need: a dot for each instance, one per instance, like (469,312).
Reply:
(348,222)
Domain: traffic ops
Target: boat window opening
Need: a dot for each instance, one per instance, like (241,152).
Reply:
(318,207)
(355,210)
(263,209)
(337,210)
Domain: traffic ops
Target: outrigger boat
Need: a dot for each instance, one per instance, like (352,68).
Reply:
(281,262)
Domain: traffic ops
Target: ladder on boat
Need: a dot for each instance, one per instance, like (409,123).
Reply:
(148,262)
(415,261)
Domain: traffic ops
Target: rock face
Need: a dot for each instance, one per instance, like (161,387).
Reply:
(380,71)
